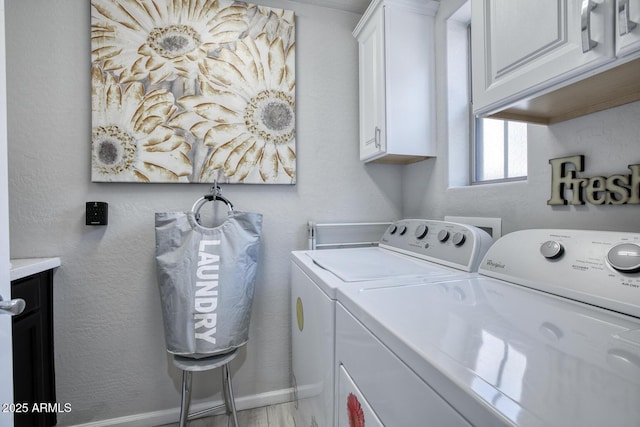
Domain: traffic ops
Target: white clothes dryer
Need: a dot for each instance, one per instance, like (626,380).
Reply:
(410,251)
(547,334)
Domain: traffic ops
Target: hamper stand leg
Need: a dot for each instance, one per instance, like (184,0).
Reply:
(228,389)
(186,398)
(225,390)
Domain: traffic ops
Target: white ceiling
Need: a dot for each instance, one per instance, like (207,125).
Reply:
(356,6)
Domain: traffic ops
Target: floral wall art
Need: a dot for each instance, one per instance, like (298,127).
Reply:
(192,91)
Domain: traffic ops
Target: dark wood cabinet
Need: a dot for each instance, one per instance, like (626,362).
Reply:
(33,363)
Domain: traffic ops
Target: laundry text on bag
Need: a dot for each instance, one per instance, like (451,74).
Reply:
(206,301)
(613,190)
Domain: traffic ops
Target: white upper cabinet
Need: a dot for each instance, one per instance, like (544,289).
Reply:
(396,81)
(522,46)
(371,86)
(547,61)
(627,26)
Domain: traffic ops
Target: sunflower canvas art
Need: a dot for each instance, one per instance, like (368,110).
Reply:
(192,91)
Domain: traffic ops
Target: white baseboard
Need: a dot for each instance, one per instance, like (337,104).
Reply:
(169,416)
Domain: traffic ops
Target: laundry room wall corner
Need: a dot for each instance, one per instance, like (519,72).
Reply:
(111,360)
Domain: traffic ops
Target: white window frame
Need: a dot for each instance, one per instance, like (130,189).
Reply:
(477,154)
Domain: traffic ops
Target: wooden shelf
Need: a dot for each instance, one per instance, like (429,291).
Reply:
(611,88)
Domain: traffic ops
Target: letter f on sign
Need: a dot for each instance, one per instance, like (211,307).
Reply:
(561,178)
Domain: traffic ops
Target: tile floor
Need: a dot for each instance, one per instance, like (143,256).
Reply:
(268,416)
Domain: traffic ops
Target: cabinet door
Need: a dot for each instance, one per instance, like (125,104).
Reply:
(627,26)
(33,364)
(520,47)
(29,369)
(372,88)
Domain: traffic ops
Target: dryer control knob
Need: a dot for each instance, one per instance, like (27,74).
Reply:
(421,231)
(625,257)
(551,249)
(459,239)
(392,229)
(443,235)
(403,230)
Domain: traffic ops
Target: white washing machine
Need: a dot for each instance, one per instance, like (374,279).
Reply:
(409,252)
(547,334)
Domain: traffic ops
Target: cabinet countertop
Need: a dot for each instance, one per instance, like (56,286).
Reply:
(23,267)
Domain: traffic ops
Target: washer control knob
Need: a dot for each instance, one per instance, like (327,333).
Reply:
(421,231)
(443,235)
(625,257)
(403,230)
(392,229)
(551,249)
(459,239)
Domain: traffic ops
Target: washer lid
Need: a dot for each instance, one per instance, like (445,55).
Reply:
(536,359)
(373,263)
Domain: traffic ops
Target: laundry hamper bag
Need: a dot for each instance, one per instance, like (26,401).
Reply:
(206,278)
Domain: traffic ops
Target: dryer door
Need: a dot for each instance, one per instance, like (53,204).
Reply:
(353,408)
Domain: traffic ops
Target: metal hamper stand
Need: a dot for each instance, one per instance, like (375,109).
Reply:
(189,365)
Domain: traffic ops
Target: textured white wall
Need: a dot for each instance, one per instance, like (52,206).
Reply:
(6,371)
(609,140)
(110,357)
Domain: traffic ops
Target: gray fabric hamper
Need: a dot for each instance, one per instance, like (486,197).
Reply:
(206,278)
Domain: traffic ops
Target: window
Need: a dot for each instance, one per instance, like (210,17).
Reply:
(499,151)
(489,150)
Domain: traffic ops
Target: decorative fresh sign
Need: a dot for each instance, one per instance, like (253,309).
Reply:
(598,190)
